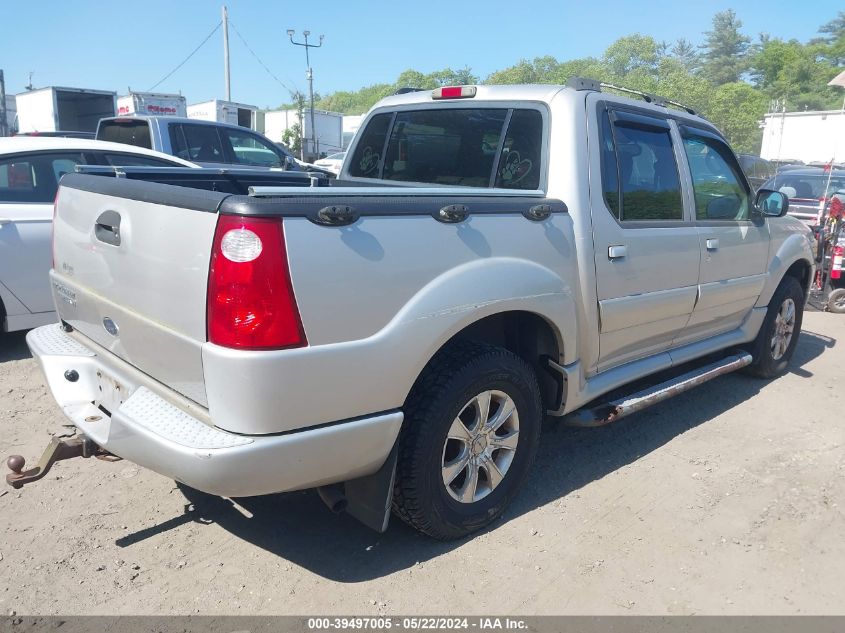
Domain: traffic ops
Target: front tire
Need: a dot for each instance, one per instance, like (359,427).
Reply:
(778,336)
(471,430)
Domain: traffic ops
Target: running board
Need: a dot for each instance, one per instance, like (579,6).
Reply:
(612,411)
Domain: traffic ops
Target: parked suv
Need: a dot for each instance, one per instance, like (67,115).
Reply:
(205,143)
(489,255)
(807,188)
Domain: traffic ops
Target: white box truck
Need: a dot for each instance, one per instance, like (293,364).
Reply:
(224,112)
(329,126)
(56,109)
(811,136)
(152,103)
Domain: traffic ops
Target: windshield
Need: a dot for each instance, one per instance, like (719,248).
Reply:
(806,186)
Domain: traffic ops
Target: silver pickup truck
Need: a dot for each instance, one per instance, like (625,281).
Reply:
(394,338)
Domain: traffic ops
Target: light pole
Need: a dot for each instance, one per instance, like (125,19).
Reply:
(310,76)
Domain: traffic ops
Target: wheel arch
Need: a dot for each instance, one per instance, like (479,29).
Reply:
(531,336)
(794,258)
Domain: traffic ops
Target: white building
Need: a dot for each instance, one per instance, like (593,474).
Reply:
(805,136)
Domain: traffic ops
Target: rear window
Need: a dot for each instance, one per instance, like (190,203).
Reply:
(471,147)
(135,133)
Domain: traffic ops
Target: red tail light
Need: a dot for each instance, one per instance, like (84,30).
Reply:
(251,304)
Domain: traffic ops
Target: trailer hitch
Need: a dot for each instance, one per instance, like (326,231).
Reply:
(58,449)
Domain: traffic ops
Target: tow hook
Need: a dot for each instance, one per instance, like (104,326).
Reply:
(57,450)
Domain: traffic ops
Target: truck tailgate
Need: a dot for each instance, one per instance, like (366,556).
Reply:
(130,272)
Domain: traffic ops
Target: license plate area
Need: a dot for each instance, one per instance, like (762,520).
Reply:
(112,393)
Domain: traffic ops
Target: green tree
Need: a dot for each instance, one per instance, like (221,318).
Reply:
(833,40)
(633,53)
(686,54)
(725,49)
(292,139)
(736,109)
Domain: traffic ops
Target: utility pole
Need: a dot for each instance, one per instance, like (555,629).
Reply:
(4,125)
(310,76)
(226,54)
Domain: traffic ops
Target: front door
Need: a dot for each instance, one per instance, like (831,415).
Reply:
(646,245)
(734,242)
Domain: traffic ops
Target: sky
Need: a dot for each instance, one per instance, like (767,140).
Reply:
(118,46)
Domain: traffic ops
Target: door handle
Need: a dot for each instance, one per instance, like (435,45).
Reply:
(107,228)
(618,251)
(712,244)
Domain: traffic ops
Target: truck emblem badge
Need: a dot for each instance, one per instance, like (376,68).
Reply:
(110,326)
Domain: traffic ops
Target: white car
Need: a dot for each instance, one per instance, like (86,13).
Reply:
(332,162)
(30,169)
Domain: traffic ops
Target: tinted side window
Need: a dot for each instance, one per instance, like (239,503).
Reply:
(34,178)
(249,149)
(519,164)
(719,193)
(650,188)
(202,144)
(366,162)
(609,167)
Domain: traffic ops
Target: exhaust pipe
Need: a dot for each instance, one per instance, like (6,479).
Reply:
(333,497)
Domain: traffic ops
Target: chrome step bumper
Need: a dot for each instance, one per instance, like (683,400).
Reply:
(130,415)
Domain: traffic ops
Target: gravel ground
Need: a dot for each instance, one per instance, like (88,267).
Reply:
(724,500)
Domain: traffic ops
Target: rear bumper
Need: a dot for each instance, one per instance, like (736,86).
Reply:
(137,418)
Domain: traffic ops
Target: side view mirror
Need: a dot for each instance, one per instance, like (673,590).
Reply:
(773,204)
(289,162)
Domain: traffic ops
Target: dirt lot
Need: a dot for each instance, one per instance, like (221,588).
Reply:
(728,499)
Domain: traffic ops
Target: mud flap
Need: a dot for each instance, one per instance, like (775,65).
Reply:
(370,498)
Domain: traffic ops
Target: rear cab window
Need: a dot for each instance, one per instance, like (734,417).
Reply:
(468,147)
(126,131)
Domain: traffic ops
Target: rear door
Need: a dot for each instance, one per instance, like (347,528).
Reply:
(28,184)
(734,242)
(646,245)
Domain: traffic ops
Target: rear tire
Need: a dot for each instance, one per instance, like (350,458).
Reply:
(778,336)
(471,431)
(836,301)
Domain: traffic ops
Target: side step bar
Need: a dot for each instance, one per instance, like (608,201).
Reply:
(612,411)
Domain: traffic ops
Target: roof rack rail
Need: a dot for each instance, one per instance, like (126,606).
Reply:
(581,83)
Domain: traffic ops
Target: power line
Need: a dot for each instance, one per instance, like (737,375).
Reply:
(258,59)
(193,52)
